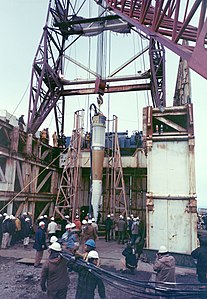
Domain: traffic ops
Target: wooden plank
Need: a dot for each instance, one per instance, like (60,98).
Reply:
(29,261)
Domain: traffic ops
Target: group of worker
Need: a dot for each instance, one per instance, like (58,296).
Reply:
(78,241)
(54,275)
(77,233)
(130,229)
(15,229)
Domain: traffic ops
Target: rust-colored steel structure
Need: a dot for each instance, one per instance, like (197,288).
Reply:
(170,22)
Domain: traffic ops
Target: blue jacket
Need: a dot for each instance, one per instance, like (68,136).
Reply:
(40,240)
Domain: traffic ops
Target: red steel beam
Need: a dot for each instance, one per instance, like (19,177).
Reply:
(166,24)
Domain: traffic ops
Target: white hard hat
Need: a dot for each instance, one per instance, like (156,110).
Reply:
(53,239)
(108,215)
(112,215)
(25,213)
(162,249)
(128,218)
(72,225)
(27,219)
(67,216)
(41,217)
(93,219)
(76,216)
(120,216)
(131,215)
(45,216)
(52,218)
(41,223)
(93,254)
(55,246)
(5,214)
(89,221)
(68,226)
(84,221)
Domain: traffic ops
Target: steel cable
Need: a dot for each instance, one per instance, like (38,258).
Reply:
(136,287)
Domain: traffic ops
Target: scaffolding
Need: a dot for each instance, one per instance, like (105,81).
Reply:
(68,194)
(117,203)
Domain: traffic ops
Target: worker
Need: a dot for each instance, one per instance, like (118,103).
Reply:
(121,226)
(77,223)
(70,239)
(55,139)
(40,243)
(89,232)
(108,224)
(87,281)
(87,139)
(5,231)
(129,227)
(135,230)
(164,266)
(113,231)
(95,225)
(21,122)
(52,228)
(130,261)
(89,245)
(44,136)
(53,239)
(26,232)
(200,254)
(54,276)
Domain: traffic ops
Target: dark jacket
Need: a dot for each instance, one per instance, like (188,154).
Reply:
(54,275)
(130,257)
(40,240)
(87,282)
(11,226)
(5,226)
(200,254)
(26,231)
(121,225)
(108,223)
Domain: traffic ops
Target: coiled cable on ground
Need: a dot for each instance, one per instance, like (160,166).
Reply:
(142,289)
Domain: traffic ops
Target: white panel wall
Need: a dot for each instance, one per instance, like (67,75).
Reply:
(170,222)
(169,169)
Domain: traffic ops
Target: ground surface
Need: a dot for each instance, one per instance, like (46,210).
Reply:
(22,280)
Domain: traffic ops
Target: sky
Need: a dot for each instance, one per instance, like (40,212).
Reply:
(21,24)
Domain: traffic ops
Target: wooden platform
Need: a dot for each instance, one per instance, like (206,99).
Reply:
(28,261)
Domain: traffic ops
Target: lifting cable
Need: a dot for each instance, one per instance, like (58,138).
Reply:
(147,289)
(20,100)
(144,66)
(136,93)
(46,168)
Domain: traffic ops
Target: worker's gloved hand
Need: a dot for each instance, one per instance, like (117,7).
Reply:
(43,287)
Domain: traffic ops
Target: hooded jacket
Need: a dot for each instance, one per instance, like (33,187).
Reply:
(165,268)
(54,275)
